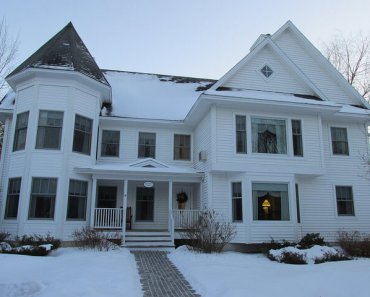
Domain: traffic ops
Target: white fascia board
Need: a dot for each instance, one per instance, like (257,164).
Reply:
(324,62)
(137,122)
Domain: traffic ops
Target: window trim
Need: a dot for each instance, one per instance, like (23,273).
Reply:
(91,134)
(30,199)
(138,144)
(153,202)
(7,198)
(119,143)
(60,127)
(247,134)
(190,146)
(340,216)
(331,142)
(232,199)
(15,131)
(86,201)
(301,136)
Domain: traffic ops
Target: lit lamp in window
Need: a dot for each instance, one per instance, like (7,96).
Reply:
(265,206)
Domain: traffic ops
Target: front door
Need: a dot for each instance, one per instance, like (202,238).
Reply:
(107,197)
(144,204)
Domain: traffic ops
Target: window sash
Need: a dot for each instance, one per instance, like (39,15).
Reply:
(237,202)
(269,136)
(20,133)
(12,201)
(49,131)
(344,197)
(146,148)
(82,135)
(77,200)
(339,141)
(181,147)
(110,143)
(43,194)
(241,134)
(297,138)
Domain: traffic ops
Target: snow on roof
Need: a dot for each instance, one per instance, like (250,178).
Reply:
(8,101)
(153,96)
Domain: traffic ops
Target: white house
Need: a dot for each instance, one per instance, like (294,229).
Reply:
(277,146)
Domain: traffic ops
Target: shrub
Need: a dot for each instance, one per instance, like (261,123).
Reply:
(311,239)
(354,243)
(28,251)
(88,238)
(36,240)
(288,258)
(210,233)
(330,257)
(4,236)
(275,245)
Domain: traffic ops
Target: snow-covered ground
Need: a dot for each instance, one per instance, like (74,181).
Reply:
(236,274)
(70,272)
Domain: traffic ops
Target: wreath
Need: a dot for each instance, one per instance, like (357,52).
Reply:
(182,197)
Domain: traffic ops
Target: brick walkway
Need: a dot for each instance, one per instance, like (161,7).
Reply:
(159,277)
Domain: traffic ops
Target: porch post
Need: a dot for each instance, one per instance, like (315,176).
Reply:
(170,220)
(124,206)
(93,203)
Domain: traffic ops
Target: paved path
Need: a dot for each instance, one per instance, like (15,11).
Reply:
(159,277)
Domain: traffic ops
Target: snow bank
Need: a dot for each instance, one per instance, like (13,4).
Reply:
(240,275)
(69,272)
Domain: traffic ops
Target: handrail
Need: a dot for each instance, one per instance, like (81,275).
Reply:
(108,218)
(184,218)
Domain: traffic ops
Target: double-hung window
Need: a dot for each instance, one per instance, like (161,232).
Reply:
(339,141)
(344,201)
(241,134)
(181,147)
(12,200)
(82,135)
(146,145)
(20,133)
(297,138)
(237,202)
(110,143)
(269,136)
(77,199)
(43,196)
(49,131)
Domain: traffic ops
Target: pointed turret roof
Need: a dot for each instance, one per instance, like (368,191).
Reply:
(64,51)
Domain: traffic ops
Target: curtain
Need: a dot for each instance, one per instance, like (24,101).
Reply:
(268,136)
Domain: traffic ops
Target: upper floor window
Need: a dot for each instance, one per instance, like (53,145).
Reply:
(12,200)
(77,199)
(297,138)
(237,209)
(269,136)
(110,143)
(43,196)
(270,202)
(181,147)
(82,135)
(266,71)
(20,133)
(241,134)
(146,145)
(339,141)
(344,201)
(49,131)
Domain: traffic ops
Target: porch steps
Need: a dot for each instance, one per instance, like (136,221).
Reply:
(148,240)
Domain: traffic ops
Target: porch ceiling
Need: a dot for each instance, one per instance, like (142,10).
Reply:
(129,172)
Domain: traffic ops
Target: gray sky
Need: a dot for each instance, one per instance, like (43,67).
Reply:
(200,38)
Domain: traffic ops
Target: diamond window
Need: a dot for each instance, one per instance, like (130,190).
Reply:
(266,71)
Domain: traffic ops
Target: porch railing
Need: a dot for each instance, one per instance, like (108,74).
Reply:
(184,218)
(108,218)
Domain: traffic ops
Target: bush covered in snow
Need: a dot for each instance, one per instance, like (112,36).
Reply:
(275,245)
(88,238)
(316,254)
(210,233)
(355,243)
(4,236)
(37,240)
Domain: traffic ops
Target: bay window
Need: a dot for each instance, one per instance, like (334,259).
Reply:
(269,136)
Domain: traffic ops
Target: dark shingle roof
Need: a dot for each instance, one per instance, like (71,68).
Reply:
(64,51)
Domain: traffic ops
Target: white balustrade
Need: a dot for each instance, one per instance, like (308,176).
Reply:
(185,218)
(108,218)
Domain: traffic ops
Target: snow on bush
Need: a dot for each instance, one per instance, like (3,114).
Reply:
(312,255)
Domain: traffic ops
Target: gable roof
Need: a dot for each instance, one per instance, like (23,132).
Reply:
(64,51)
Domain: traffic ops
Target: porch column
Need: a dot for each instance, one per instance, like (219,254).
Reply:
(124,206)
(93,203)
(170,218)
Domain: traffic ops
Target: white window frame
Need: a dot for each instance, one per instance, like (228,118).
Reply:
(232,199)
(101,143)
(190,146)
(331,142)
(344,216)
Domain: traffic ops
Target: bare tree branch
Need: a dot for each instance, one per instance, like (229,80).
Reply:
(351,56)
